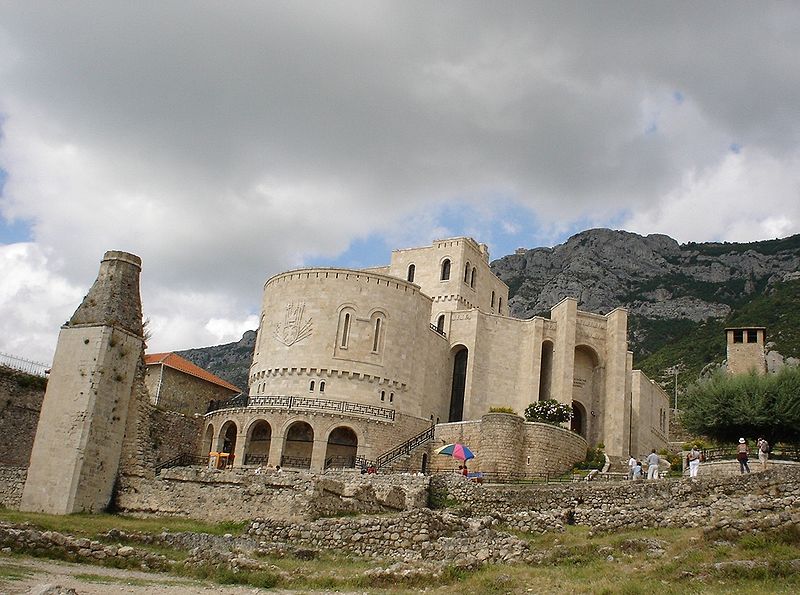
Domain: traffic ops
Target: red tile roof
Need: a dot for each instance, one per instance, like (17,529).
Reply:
(176,362)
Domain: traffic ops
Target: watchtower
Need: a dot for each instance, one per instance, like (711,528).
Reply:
(78,442)
(746,349)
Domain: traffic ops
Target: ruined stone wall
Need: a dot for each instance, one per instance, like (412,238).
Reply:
(182,392)
(21,398)
(12,480)
(172,434)
(755,501)
(234,495)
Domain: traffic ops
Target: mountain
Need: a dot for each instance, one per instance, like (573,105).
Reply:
(230,362)
(679,297)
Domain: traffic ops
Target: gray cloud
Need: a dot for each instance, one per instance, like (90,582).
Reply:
(224,143)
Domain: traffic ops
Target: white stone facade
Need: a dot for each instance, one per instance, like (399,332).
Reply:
(357,361)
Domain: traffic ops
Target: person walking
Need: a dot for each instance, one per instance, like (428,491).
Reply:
(694,462)
(631,465)
(652,465)
(741,456)
(763,453)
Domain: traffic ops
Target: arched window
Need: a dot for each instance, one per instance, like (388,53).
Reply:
(311,386)
(440,323)
(376,340)
(472,278)
(492,306)
(499,305)
(345,330)
(322,386)
(391,397)
(445,269)
(411,270)
(466,273)
(383,395)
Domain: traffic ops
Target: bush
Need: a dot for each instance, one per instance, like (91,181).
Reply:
(548,411)
(502,410)
(595,458)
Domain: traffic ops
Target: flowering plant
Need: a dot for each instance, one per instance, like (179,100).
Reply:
(549,411)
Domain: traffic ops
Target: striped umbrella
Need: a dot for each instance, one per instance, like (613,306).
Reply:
(457,451)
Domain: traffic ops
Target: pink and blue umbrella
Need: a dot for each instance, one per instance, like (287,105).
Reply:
(457,451)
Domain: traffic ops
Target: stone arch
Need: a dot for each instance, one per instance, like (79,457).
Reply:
(298,445)
(258,443)
(342,448)
(546,370)
(587,388)
(226,441)
(578,422)
(445,270)
(208,440)
(460,356)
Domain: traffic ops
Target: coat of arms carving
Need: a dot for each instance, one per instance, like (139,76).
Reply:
(294,327)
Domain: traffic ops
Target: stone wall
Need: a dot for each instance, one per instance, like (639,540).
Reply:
(12,480)
(755,501)
(233,495)
(507,446)
(178,391)
(21,398)
(172,434)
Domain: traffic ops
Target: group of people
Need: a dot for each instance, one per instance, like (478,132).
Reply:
(266,469)
(694,457)
(635,470)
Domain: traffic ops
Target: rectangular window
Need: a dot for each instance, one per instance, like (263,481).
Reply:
(752,336)
(738,336)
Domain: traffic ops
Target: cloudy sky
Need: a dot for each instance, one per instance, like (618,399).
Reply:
(226,142)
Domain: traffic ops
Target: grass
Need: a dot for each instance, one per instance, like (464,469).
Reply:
(669,561)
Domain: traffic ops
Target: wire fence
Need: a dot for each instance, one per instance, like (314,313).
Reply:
(24,365)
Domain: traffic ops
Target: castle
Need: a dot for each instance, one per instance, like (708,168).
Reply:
(352,363)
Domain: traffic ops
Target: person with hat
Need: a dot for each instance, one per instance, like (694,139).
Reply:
(741,456)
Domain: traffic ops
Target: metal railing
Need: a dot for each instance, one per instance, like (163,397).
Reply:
(296,462)
(255,459)
(784,452)
(544,477)
(240,400)
(392,455)
(184,459)
(24,365)
(294,403)
(340,462)
(437,330)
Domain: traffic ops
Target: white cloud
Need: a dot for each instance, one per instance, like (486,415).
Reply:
(223,146)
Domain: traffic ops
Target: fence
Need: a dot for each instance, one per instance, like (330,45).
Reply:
(24,365)
(785,452)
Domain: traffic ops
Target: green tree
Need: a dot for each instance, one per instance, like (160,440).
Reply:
(548,411)
(727,407)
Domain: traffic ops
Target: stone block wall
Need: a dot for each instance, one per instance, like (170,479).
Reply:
(755,501)
(21,398)
(506,445)
(234,495)
(172,434)
(12,480)
(182,392)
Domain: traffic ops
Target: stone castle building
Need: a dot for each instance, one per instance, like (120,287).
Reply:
(355,362)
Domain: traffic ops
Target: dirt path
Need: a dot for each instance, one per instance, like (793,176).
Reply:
(29,575)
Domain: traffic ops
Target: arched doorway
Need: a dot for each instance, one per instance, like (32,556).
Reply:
(578,423)
(208,440)
(587,383)
(424,466)
(298,446)
(342,448)
(546,370)
(459,384)
(227,445)
(259,439)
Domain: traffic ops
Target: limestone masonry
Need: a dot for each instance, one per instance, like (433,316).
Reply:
(351,363)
